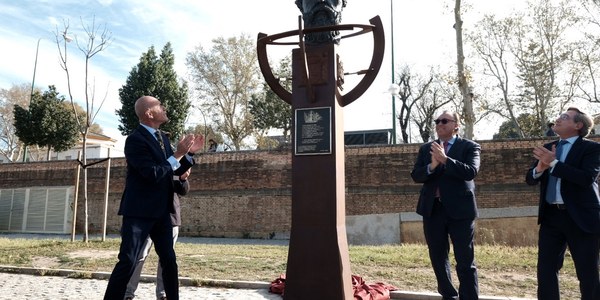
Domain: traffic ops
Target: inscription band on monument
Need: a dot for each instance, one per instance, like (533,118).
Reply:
(313,131)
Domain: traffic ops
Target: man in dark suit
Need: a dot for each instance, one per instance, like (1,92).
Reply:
(447,168)
(569,210)
(147,200)
(181,186)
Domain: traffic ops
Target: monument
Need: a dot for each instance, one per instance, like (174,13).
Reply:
(318,265)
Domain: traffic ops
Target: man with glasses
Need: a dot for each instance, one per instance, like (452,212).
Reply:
(569,209)
(447,167)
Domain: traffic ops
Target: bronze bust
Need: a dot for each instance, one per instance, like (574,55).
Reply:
(319,13)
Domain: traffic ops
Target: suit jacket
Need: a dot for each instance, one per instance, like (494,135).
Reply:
(455,179)
(149,189)
(579,184)
(181,189)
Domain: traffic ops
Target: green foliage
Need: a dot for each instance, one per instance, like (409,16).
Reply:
(155,76)
(267,109)
(225,77)
(528,123)
(47,123)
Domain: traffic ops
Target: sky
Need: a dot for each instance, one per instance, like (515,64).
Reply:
(423,37)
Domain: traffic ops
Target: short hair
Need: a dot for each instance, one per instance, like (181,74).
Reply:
(584,119)
(455,116)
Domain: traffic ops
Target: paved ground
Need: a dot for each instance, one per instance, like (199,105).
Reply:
(22,286)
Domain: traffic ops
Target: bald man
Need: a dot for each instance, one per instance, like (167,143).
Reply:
(147,201)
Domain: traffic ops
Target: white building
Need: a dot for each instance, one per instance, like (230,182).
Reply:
(98,146)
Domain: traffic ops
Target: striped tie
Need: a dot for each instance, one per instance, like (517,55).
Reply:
(159,138)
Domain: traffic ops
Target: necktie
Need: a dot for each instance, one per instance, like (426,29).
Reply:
(159,138)
(446,144)
(552,180)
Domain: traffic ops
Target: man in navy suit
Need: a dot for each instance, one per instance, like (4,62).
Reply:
(147,201)
(182,187)
(569,210)
(446,168)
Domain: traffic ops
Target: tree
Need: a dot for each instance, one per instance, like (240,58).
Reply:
(81,115)
(463,84)
(226,76)
(268,110)
(96,40)
(412,89)
(155,76)
(207,132)
(543,53)
(588,53)
(48,122)
(527,123)
(439,93)
(10,145)
(491,41)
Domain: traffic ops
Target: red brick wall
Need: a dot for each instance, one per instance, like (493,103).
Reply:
(248,193)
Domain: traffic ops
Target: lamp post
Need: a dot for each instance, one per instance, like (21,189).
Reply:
(394,88)
(37,49)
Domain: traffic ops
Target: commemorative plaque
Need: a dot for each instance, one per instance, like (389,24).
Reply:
(313,131)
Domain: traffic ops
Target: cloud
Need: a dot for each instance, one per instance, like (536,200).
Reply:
(423,37)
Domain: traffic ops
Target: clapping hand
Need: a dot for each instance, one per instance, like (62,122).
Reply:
(544,157)
(438,156)
(189,143)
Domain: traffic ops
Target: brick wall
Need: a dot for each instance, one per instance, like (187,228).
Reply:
(248,193)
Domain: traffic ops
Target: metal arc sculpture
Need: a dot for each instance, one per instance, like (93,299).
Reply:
(376,28)
(318,265)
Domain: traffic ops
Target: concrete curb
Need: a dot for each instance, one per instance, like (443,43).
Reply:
(187,281)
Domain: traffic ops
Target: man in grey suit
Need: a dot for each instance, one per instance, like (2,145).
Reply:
(447,168)
(569,209)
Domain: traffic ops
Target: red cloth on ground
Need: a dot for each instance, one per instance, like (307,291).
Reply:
(375,291)
(278,285)
(362,290)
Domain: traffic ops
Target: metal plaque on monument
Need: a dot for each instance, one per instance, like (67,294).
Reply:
(318,265)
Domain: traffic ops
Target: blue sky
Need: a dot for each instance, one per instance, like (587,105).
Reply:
(423,37)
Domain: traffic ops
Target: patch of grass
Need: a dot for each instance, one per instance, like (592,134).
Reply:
(503,271)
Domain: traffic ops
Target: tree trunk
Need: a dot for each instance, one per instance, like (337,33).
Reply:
(85,190)
(467,114)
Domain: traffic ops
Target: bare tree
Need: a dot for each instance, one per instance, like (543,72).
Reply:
(588,53)
(412,89)
(10,146)
(97,38)
(463,84)
(542,55)
(225,77)
(438,93)
(491,41)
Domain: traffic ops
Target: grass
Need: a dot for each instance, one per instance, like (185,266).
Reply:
(503,271)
